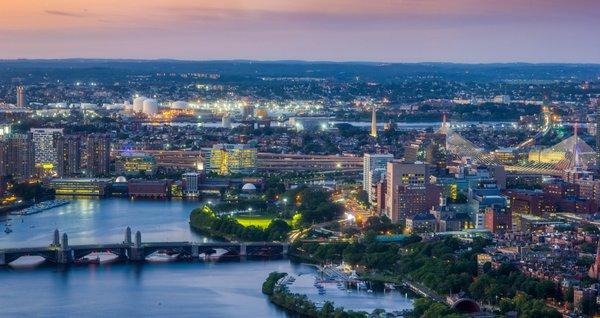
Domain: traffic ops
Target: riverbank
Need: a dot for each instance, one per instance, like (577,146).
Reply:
(276,288)
(206,221)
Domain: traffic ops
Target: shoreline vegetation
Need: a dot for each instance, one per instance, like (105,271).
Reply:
(227,228)
(302,306)
(445,267)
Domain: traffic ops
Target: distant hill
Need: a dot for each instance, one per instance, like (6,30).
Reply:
(346,71)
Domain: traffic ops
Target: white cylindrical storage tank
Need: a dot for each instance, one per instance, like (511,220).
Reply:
(179,105)
(138,104)
(150,107)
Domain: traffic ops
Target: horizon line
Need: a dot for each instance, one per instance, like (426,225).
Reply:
(307,61)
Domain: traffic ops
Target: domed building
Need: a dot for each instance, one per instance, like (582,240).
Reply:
(249,187)
(120,186)
(138,104)
(150,107)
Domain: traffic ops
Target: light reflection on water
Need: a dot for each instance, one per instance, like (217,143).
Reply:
(89,221)
(199,289)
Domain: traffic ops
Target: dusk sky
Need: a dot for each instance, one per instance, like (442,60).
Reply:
(336,30)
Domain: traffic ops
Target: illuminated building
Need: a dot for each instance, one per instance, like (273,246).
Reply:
(17,156)
(309,123)
(380,196)
(5,130)
(409,190)
(230,159)
(247,111)
(97,155)
(506,155)
(93,187)
(262,113)
(21,101)
(44,144)
(421,223)
(191,180)
(374,168)
(149,188)
(498,219)
(135,164)
(68,156)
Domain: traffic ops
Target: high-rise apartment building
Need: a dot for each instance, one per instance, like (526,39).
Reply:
(191,180)
(44,144)
(374,169)
(17,156)
(21,101)
(97,155)
(409,190)
(68,156)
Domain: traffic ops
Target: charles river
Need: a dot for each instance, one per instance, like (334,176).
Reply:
(208,288)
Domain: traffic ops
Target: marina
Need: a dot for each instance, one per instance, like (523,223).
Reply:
(41,207)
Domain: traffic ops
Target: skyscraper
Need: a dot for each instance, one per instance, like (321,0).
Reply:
(21,96)
(373,122)
(409,190)
(17,156)
(97,155)
(44,144)
(374,167)
(68,156)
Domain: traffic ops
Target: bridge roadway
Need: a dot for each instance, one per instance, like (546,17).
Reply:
(61,252)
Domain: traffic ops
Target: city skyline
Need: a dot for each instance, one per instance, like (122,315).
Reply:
(466,31)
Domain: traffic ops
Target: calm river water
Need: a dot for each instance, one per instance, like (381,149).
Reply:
(226,288)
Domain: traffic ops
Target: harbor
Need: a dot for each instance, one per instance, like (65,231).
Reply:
(40,207)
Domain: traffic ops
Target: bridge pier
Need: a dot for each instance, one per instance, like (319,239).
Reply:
(127,236)
(195,251)
(285,247)
(56,239)
(243,247)
(64,255)
(136,252)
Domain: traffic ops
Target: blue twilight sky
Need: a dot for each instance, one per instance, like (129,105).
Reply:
(337,30)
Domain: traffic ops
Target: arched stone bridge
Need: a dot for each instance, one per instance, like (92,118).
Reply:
(60,252)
